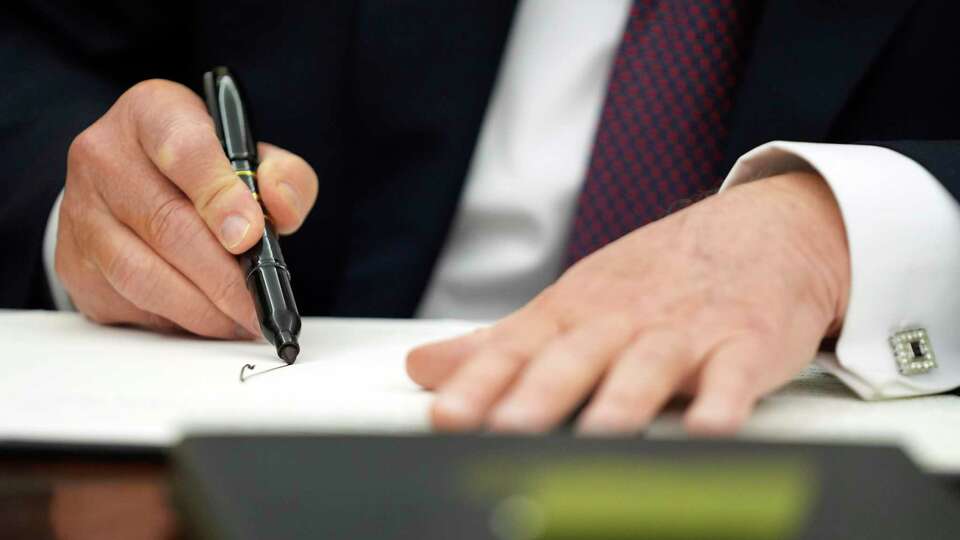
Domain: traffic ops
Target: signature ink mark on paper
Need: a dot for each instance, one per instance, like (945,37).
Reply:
(246,376)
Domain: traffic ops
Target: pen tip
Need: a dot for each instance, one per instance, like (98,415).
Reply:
(289,353)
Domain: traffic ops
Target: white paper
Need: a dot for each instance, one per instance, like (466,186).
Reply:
(64,379)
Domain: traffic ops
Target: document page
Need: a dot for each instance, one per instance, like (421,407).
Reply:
(66,380)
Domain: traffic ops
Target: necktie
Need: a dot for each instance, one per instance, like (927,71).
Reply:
(661,132)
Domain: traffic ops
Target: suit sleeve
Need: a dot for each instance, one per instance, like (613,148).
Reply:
(903,229)
(61,71)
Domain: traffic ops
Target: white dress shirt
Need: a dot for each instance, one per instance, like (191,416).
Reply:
(509,234)
(903,231)
(511,228)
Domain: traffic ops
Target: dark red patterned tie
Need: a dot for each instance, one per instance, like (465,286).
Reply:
(661,133)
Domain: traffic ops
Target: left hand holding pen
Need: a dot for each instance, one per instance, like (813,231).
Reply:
(725,301)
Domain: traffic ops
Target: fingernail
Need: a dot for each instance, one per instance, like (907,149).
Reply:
(454,407)
(234,230)
(511,417)
(290,194)
(704,415)
(599,422)
(712,420)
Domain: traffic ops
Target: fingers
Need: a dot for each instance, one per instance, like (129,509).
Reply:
(152,285)
(467,396)
(105,306)
(431,364)
(288,187)
(101,303)
(642,379)
(560,376)
(533,384)
(168,222)
(177,134)
(730,383)
(154,166)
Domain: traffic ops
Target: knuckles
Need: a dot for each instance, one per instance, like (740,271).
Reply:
(87,149)
(151,95)
(181,141)
(172,221)
(82,260)
(128,276)
(150,88)
(170,120)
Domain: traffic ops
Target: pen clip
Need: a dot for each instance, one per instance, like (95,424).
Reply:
(226,105)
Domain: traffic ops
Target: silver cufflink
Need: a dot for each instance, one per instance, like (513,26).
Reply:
(912,351)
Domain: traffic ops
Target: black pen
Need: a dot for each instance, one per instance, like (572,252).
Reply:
(267,276)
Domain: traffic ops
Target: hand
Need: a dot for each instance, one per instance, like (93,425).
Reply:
(152,212)
(725,301)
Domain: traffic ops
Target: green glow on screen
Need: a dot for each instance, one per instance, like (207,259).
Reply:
(619,497)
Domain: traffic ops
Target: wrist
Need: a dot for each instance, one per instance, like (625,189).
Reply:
(804,205)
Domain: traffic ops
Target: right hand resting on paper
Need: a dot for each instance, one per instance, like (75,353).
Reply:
(152,215)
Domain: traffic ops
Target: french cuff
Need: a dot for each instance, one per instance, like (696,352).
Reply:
(903,232)
(57,291)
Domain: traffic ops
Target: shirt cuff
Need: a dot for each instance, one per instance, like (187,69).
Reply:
(57,291)
(903,232)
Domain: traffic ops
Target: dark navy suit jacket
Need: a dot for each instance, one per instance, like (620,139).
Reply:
(385,99)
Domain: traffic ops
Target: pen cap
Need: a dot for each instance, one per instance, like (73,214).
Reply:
(225,102)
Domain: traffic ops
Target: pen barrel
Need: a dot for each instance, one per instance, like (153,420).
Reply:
(267,276)
(269,281)
(266,272)
(246,170)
